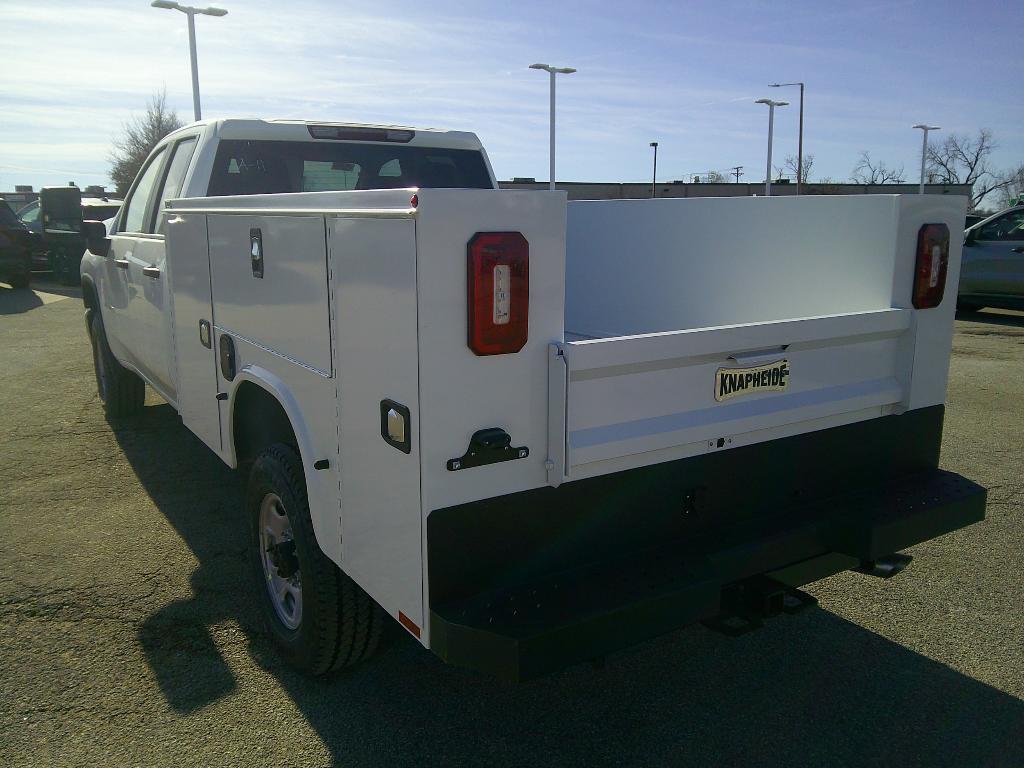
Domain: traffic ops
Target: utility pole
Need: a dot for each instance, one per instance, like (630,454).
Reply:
(552,71)
(737,171)
(800,146)
(924,148)
(654,177)
(771,122)
(191,12)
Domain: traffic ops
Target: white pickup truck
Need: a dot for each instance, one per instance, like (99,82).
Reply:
(530,431)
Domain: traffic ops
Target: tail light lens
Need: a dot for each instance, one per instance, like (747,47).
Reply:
(932,262)
(498,282)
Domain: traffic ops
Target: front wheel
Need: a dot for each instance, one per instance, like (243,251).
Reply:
(319,619)
(123,393)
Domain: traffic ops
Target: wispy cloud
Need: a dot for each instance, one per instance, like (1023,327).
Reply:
(684,74)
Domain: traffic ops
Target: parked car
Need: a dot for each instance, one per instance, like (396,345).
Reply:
(992,270)
(15,249)
(93,209)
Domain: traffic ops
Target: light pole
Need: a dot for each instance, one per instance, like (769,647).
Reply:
(654,176)
(771,124)
(551,152)
(191,13)
(924,148)
(800,141)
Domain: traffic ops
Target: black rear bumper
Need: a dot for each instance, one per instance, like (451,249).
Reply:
(530,583)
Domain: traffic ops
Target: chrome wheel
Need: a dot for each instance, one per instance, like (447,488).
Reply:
(280,562)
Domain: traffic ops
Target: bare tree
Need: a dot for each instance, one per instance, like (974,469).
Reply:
(962,159)
(791,165)
(139,136)
(868,171)
(717,177)
(1013,192)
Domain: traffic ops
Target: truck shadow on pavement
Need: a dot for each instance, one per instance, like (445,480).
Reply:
(811,689)
(1009,318)
(14,301)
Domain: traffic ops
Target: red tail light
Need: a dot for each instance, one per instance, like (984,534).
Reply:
(932,261)
(498,281)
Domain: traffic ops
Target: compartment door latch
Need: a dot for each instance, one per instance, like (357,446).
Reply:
(256,251)
(488,446)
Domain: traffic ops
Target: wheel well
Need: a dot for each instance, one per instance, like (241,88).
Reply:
(259,421)
(89,297)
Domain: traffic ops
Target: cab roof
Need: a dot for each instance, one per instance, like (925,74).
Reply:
(299,130)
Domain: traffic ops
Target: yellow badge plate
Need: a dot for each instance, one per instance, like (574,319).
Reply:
(734,382)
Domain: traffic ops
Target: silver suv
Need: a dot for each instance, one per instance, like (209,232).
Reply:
(992,272)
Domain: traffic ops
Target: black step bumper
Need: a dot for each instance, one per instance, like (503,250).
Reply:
(593,574)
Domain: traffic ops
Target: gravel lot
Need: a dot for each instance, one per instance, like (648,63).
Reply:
(129,633)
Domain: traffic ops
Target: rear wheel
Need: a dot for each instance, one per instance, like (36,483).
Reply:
(319,619)
(123,393)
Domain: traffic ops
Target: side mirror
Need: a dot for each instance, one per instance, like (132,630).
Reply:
(970,236)
(96,240)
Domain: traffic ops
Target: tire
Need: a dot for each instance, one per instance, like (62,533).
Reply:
(123,393)
(333,623)
(62,270)
(21,280)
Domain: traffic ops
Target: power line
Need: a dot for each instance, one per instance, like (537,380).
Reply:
(737,171)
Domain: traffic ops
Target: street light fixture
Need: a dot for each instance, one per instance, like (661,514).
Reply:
(551,152)
(191,12)
(654,177)
(800,143)
(771,124)
(924,148)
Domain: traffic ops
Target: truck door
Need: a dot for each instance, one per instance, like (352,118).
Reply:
(134,231)
(148,308)
(196,377)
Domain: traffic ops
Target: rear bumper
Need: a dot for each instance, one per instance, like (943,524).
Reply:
(559,595)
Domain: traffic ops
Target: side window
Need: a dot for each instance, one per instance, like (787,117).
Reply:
(30,214)
(1008,227)
(175,176)
(138,205)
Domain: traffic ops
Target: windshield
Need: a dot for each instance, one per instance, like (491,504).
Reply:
(269,167)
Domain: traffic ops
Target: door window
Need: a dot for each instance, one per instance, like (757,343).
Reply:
(175,176)
(30,213)
(139,204)
(1008,227)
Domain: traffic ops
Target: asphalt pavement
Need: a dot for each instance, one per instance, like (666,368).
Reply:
(129,631)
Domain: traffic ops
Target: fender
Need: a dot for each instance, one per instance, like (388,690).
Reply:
(326,526)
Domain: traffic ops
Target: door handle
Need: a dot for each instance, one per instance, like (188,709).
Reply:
(1018,249)
(153,272)
(122,263)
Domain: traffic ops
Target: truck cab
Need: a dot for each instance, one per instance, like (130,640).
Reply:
(225,157)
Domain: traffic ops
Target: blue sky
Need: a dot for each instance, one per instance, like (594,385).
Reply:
(684,74)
